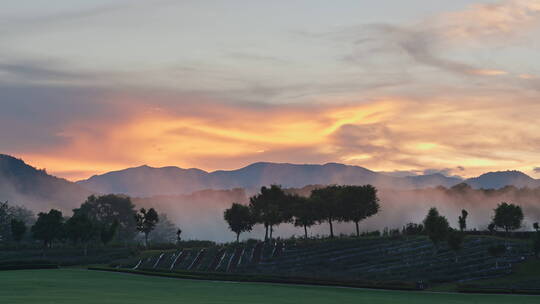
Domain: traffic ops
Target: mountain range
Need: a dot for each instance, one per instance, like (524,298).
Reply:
(148,181)
(20,181)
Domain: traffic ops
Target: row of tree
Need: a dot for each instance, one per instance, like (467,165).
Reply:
(507,217)
(100,219)
(274,206)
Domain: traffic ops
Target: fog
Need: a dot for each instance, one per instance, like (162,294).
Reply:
(200,215)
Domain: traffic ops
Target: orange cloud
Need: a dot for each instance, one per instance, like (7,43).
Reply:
(387,134)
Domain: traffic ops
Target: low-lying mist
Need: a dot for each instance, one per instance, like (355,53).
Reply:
(200,215)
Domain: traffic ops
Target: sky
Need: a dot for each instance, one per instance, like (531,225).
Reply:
(410,86)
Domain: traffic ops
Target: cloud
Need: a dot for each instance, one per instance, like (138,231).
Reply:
(77,132)
(438,41)
(494,21)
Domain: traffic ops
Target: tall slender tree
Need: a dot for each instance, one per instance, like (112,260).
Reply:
(146,221)
(463,220)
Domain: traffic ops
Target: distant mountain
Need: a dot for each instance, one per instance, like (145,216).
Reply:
(22,184)
(148,181)
(496,180)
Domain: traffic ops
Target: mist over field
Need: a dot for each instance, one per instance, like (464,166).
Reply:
(200,216)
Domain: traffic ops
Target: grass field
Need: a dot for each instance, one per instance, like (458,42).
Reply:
(78,286)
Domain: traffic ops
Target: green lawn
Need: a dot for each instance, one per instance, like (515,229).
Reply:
(78,286)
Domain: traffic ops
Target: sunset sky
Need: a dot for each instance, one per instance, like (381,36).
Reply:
(88,87)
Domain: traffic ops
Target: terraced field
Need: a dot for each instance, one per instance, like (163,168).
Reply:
(376,259)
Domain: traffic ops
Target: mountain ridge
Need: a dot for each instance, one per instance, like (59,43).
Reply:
(259,174)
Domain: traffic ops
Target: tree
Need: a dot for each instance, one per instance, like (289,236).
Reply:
(508,217)
(80,229)
(146,222)
(436,227)
(48,227)
(455,242)
(496,251)
(536,226)
(326,201)
(178,236)
(358,203)
(463,220)
(303,212)
(18,229)
(239,219)
(413,229)
(107,232)
(270,208)
(106,209)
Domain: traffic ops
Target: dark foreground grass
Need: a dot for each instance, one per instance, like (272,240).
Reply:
(77,286)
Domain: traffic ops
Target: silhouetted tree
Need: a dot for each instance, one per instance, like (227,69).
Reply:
(239,219)
(326,200)
(436,227)
(357,203)
(48,227)
(304,212)
(106,209)
(536,226)
(508,217)
(455,242)
(107,232)
(413,229)
(18,229)
(270,208)
(178,236)
(146,222)
(463,220)
(79,228)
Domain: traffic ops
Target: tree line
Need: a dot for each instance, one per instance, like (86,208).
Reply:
(99,220)
(273,206)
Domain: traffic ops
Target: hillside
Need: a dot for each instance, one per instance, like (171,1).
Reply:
(496,180)
(22,184)
(399,261)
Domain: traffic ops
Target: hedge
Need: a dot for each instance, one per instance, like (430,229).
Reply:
(394,285)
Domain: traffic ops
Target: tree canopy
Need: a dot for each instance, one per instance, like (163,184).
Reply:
(239,218)
(48,227)
(146,221)
(436,226)
(106,209)
(508,216)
